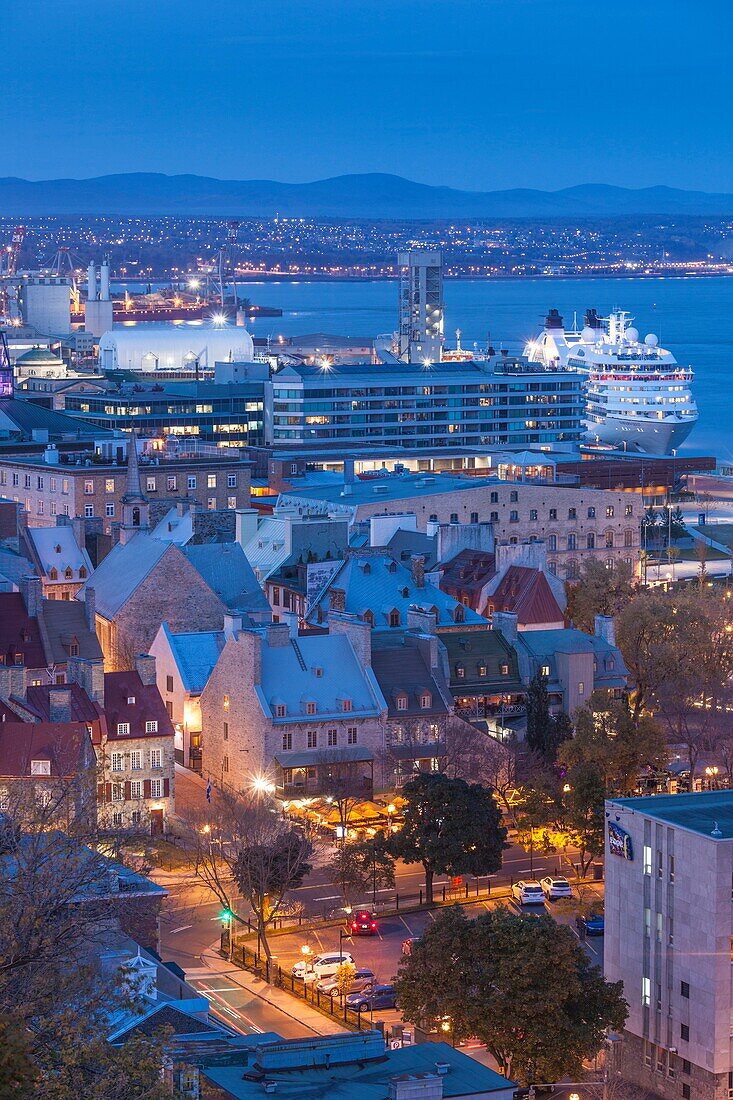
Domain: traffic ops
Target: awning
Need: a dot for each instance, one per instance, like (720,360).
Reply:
(312,758)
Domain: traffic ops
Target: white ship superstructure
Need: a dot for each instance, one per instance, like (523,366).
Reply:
(637,395)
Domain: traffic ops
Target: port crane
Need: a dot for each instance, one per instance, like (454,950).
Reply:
(9,254)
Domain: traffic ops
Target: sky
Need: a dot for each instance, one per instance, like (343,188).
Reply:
(474,94)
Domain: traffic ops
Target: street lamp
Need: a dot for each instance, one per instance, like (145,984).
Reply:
(344,934)
(305,951)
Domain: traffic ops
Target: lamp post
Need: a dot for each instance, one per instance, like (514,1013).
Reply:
(344,934)
(305,952)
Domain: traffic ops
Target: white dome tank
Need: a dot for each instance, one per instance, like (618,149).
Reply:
(632,335)
(589,335)
(651,340)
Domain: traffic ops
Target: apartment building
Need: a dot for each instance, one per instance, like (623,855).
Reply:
(87,484)
(576,523)
(669,939)
(507,402)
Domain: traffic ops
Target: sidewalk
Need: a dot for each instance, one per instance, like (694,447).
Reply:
(279,999)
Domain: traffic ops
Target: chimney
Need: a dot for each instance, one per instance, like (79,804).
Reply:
(104,281)
(358,632)
(31,590)
(605,628)
(12,681)
(417,564)
(89,675)
(90,607)
(278,634)
(349,475)
(59,703)
(246,525)
(506,622)
(80,532)
(421,621)
(145,668)
(232,624)
(91,283)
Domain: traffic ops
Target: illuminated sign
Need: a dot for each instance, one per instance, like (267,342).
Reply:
(619,842)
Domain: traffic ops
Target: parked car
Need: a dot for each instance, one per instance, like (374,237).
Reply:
(363,923)
(362,978)
(555,887)
(528,892)
(592,925)
(322,966)
(374,996)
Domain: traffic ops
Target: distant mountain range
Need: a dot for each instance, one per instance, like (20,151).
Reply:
(355,196)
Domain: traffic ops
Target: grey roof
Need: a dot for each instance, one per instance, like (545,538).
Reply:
(384,490)
(122,571)
(26,417)
(57,546)
(378,583)
(14,566)
(60,622)
(195,655)
(543,645)
(321,668)
(699,812)
(402,667)
(226,570)
(404,544)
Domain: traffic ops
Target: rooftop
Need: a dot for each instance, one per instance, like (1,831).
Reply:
(700,813)
(195,655)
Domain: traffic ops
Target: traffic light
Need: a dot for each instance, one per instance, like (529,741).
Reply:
(226,915)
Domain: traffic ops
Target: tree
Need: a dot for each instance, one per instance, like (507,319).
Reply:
(345,978)
(451,827)
(639,628)
(17,1071)
(583,816)
(523,985)
(359,868)
(609,739)
(601,590)
(545,732)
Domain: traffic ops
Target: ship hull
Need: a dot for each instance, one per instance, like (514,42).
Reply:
(651,437)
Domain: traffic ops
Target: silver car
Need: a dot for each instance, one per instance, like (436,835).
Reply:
(554,887)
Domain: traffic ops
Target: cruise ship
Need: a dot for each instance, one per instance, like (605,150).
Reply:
(637,396)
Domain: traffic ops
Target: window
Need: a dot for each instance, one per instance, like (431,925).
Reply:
(171,483)
(225,702)
(231,481)
(118,819)
(572,542)
(131,700)
(109,511)
(660,863)
(474,517)
(346,705)
(514,517)
(150,484)
(156,758)
(231,502)
(156,785)
(123,729)
(647,1053)
(352,735)
(454,517)
(136,760)
(40,508)
(310,707)
(191,481)
(460,673)
(581,687)
(670,868)
(591,513)
(118,792)
(545,671)
(482,670)
(609,540)
(312,739)
(572,513)
(590,541)
(117,761)
(280,710)
(609,512)
(628,538)
(433,517)
(333,738)
(686,1091)
(494,517)
(647,859)
(425,700)
(533,514)
(660,927)
(88,511)
(552,542)
(169,683)
(402,701)
(211,504)
(685,989)
(287,741)
(52,508)
(109,485)
(686,1067)
(513,496)
(685,1032)
(169,708)
(494,498)
(629,510)
(226,731)
(394,617)
(553,513)
(647,922)
(88,488)
(151,726)
(211,481)
(646,992)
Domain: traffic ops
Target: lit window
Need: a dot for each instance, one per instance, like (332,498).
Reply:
(544,670)
(109,485)
(150,484)
(225,702)
(505,670)
(646,992)
(647,859)
(609,512)
(211,481)
(88,488)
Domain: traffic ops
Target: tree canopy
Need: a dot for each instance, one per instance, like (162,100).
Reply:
(601,590)
(523,985)
(450,826)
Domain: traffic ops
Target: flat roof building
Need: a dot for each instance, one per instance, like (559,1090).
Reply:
(669,939)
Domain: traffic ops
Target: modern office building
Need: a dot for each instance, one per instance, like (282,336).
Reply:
(508,402)
(227,415)
(420,306)
(669,939)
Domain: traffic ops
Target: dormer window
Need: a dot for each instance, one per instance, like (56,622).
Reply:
(426,700)
(123,729)
(459,614)
(610,664)
(53,573)
(82,572)
(392,566)
(280,710)
(505,670)
(394,617)
(318,673)
(401,702)
(460,672)
(40,767)
(131,700)
(68,573)
(366,567)
(74,649)
(57,548)
(405,592)
(545,671)
(310,708)
(346,705)
(482,670)
(369,617)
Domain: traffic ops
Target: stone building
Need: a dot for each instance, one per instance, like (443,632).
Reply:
(306,712)
(668,937)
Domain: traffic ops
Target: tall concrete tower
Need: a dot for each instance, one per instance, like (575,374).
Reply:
(421,306)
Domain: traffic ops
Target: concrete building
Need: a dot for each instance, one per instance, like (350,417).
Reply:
(668,938)
(505,402)
(420,306)
(575,523)
(45,302)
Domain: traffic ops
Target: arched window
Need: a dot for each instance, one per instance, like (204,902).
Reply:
(53,573)
(459,614)
(369,617)
(394,617)
(590,541)
(82,572)
(68,573)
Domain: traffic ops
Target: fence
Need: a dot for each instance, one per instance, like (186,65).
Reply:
(328,1003)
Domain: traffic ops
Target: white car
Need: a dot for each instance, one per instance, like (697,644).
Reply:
(322,966)
(555,887)
(528,892)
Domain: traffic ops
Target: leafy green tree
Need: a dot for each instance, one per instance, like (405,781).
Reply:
(450,826)
(345,978)
(358,869)
(18,1074)
(584,818)
(539,719)
(609,739)
(600,591)
(523,985)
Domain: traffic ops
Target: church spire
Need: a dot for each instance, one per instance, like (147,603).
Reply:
(135,507)
(133,489)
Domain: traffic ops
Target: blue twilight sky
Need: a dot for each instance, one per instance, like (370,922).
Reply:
(478,94)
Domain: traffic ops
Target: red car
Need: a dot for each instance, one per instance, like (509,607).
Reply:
(363,923)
